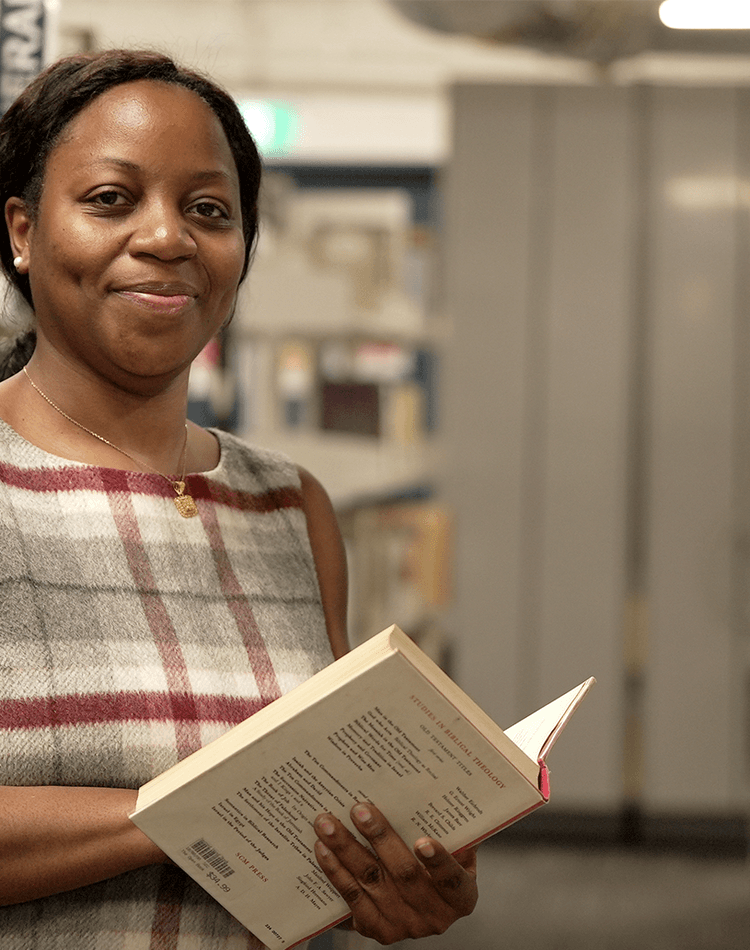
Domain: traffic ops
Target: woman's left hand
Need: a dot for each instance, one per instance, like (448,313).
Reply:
(394,893)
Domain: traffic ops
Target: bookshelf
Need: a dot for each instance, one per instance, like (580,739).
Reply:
(335,344)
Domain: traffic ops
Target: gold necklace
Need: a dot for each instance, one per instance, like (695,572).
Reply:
(184,503)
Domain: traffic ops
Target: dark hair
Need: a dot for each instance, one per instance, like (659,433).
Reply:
(32,126)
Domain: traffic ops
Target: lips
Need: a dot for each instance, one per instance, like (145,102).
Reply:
(156,295)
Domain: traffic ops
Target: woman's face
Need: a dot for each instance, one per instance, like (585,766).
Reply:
(136,251)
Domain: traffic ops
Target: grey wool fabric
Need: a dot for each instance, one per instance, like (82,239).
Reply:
(129,637)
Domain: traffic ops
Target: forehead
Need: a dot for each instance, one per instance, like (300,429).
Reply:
(147,118)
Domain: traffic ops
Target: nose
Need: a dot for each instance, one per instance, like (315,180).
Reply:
(162,232)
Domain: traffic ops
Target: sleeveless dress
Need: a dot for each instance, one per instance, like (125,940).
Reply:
(129,637)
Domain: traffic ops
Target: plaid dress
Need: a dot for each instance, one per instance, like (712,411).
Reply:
(129,637)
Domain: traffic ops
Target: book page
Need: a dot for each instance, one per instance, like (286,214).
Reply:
(537,733)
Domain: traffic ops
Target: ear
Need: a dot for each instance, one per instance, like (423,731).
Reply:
(19,226)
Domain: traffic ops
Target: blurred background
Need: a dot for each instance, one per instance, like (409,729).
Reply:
(501,308)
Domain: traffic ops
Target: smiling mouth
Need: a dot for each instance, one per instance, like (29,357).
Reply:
(163,300)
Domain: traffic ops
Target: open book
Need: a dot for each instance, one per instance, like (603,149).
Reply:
(382,724)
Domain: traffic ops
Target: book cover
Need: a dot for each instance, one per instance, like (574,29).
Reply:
(383,724)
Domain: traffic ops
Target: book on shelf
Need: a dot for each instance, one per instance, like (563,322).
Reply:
(382,724)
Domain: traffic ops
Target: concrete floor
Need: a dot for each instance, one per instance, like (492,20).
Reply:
(534,898)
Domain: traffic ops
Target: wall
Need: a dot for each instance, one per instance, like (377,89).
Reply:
(303,45)
(596,409)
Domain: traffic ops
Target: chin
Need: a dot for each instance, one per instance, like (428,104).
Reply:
(147,376)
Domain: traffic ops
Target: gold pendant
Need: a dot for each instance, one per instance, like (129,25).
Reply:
(184,503)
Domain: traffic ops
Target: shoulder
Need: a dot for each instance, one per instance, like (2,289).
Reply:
(259,469)
(330,558)
(315,498)
(241,462)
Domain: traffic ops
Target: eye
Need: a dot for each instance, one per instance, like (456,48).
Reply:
(107,198)
(210,209)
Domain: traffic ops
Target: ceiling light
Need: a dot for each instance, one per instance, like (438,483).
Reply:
(705,14)
(273,125)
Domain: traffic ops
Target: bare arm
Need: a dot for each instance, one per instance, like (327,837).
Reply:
(330,559)
(54,839)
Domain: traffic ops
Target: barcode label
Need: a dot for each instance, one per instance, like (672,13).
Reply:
(211,856)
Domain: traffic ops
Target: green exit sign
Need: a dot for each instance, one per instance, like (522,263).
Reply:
(273,125)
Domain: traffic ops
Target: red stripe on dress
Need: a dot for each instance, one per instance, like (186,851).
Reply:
(165,927)
(98,708)
(257,652)
(88,478)
(262,502)
(108,481)
(187,733)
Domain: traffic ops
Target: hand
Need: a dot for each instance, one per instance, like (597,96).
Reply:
(394,893)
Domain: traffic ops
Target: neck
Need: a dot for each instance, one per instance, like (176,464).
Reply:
(179,472)
(96,422)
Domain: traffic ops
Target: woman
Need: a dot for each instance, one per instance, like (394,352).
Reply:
(158,582)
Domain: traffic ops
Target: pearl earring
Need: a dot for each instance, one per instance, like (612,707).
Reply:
(17,261)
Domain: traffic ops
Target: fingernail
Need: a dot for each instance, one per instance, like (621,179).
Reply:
(321,849)
(325,826)
(426,849)
(362,813)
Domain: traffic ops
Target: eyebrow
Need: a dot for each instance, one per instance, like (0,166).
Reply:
(198,176)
